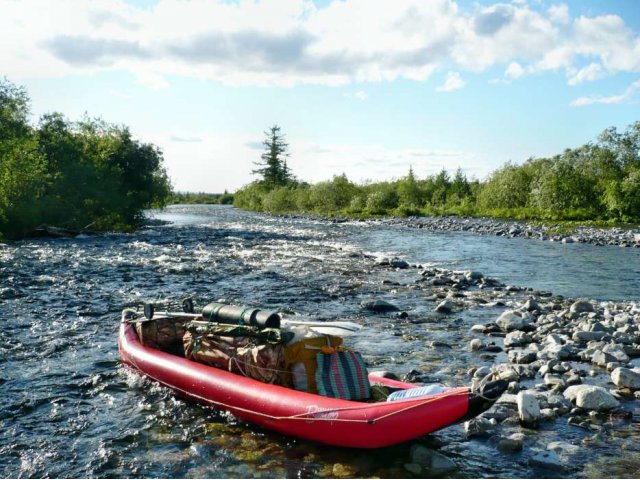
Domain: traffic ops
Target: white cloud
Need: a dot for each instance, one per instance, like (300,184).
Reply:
(452,82)
(514,70)
(291,42)
(559,14)
(628,95)
(361,95)
(591,72)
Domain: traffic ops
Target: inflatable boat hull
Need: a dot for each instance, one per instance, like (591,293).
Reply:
(304,415)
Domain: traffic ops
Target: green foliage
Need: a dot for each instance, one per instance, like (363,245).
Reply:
(201,198)
(334,195)
(599,181)
(382,199)
(77,175)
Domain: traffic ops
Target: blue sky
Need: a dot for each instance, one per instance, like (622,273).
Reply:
(364,87)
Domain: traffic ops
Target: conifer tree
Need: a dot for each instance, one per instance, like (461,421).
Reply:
(273,164)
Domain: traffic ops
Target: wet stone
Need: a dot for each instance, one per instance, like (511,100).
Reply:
(434,462)
(379,306)
(512,443)
(548,460)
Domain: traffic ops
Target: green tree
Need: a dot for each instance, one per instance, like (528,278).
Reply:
(72,174)
(409,190)
(272,166)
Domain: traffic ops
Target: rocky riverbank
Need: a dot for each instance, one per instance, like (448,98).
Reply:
(571,362)
(614,236)
(504,228)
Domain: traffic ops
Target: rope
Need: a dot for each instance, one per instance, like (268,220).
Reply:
(306,416)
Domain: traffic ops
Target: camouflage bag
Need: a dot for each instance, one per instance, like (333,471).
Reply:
(163,334)
(238,349)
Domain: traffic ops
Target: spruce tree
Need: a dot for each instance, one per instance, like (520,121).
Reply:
(273,164)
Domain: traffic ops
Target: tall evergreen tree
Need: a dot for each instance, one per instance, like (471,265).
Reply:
(273,164)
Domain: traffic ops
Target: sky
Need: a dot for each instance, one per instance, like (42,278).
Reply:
(368,88)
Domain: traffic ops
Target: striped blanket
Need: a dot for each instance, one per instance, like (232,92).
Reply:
(342,374)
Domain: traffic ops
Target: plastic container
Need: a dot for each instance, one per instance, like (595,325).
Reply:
(416,392)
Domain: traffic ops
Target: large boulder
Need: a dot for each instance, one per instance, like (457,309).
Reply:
(512,320)
(591,397)
(626,378)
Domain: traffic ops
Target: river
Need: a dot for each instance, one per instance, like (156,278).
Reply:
(69,408)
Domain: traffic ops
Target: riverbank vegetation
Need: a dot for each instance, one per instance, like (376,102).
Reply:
(191,198)
(599,181)
(84,175)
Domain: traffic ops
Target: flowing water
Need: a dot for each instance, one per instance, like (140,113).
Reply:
(69,408)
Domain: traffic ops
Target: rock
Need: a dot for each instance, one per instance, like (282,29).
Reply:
(548,460)
(475,345)
(528,408)
(563,449)
(513,443)
(617,351)
(552,380)
(585,337)
(482,372)
(517,339)
(472,275)
(446,306)
(341,470)
(581,306)
(506,372)
(379,306)
(626,378)
(434,462)
(572,392)
(601,358)
(398,263)
(510,320)
(591,397)
(478,427)
(531,304)
(477,328)
(522,357)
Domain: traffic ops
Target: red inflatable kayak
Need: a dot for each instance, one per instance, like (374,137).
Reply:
(304,415)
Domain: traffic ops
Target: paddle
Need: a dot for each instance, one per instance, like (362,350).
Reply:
(337,328)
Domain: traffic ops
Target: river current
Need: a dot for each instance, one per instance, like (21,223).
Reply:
(70,409)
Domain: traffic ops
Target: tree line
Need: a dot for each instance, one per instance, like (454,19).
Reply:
(597,181)
(87,174)
(200,198)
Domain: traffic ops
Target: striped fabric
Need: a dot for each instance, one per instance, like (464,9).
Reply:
(342,375)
